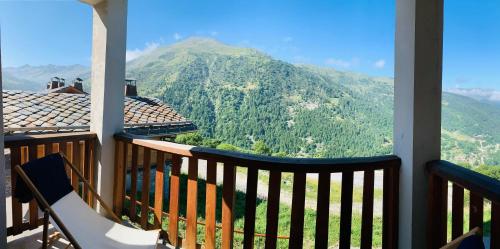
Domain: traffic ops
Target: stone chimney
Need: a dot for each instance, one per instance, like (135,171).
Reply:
(78,84)
(55,82)
(130,87)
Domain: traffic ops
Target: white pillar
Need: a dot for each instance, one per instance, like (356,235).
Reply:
(3,221)
(417,112)
(107,93)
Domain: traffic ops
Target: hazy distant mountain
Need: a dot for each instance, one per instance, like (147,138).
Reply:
(11,82)
(485,95)
(241,95)
(35,78)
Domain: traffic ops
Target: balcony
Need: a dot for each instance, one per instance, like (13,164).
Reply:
(197,210)
(214,198)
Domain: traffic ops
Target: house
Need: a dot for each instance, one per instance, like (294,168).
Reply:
(67,109)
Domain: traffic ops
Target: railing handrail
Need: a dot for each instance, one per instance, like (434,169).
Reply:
(476,182)
(283,164)
(36,139)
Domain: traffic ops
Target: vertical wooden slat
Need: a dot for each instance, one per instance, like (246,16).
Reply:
(55,147)
(76,162)
(158,205)
(298,205)
(228,196)
(17,209)
(146,169)
(323,210)
(69,154)
(133,182)
(119,190)
(394,229)
(457,212)
(86,172)
(33,209)
(48,149)
(192,203)
(273,206)
(63,148)
(211,204)
(476,211)
(367,211)
(437,215)
(495,226)
(346,210)
(173,224)
(90,161)
(250,205)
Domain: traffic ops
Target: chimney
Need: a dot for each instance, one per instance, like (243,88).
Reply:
(54,83)
(78,84)
(130,87)
(62,82)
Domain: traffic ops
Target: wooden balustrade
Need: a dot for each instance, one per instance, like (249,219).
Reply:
(480,187)
(78,146)
(135,154)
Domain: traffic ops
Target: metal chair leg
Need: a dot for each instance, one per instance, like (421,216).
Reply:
(45,229)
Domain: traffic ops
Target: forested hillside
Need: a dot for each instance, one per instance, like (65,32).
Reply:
(240,96)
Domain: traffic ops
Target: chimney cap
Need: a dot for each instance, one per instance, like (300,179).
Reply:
(130,81)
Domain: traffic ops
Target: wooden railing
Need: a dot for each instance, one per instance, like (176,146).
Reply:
(78,147)
(134,154)
(480,186)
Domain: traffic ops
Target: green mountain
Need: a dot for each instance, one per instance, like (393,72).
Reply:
(241,95)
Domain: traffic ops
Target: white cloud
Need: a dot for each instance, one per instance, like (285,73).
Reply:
(379,64)
(342,63)
(287,39)
(177,36)
(478,93)
(214,33)
(132,54)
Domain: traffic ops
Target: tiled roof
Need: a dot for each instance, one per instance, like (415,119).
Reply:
(37,112)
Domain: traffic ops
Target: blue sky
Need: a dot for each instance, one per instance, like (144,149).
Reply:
(355,35)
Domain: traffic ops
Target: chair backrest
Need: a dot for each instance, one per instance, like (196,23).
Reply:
(48,175)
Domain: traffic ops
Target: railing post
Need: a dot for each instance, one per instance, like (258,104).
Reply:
(437,214)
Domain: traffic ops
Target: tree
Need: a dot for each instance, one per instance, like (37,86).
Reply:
(193,138)
(261,148)
(224,146)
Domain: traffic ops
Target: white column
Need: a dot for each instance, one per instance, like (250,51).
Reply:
(107,93)
(3,221)
(417,112)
